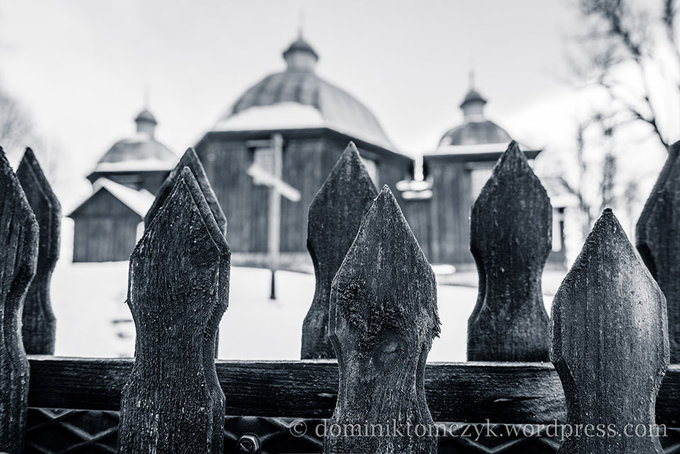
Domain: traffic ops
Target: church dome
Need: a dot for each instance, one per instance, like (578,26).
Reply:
(298,98)
(476,129)
(475,133)
(139,152)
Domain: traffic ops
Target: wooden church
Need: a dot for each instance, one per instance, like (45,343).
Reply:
(108,223)
(438,205)
(293,125)
(267,156)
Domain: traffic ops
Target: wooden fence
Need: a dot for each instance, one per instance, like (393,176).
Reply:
(611,389)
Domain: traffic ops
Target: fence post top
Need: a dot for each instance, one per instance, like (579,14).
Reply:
(511,166)
(349,171)
(667,182)
(16,192)
(30,163)
(186,184)
(191,161)
(371,290)
(607,246)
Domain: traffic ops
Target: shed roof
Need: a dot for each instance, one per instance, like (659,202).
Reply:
(139,201)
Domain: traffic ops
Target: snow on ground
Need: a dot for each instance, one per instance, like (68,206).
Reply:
(93,319)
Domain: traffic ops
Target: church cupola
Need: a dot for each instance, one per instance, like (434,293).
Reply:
(146,123)
(300,56)
(473,104)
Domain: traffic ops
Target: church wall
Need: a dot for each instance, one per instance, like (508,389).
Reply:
(306,164)
(417,213)
(244,203)
(450,211)
(307,160)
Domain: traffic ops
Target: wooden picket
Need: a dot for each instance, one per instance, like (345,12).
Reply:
(18,260)
(334,218)
(38,322)
(658,241)
(610,345)
(178,291)
(510,239)
(383,318)
(189,159)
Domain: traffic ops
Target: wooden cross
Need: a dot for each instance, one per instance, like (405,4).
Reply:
(272,178)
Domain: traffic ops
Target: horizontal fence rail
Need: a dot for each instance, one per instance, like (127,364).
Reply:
(515,393)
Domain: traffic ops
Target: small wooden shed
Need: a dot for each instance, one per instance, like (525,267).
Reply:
(108,223)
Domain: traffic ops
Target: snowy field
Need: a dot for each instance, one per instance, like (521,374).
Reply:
(94,321)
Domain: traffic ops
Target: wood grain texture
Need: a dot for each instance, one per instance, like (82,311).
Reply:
(179,275)
(189,159)
(658,241)
(510,239)
(38,321)
(334,218)
(383,318)
(18,261)
(466,392)
(610,342)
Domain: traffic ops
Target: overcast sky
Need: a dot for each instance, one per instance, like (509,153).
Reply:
(80,66)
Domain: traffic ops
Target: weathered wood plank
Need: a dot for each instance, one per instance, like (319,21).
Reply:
(466,392)
(18,260)
(383,318)
(610,342)
(334,218)
(38,321)
(178,290)
(189,159)
(510,239)
(658,241)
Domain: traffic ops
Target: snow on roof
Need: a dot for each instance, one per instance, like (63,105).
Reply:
(291,115)
(473,149)
(286,115)
(138,200)
(136,165)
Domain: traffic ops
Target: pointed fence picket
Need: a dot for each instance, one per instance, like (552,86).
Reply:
(189,159)
(18,260)
(179,278)
(377,295)
(658,241)
(383,318)
(610,345)
(334,218)
(38,322)
(510,239)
